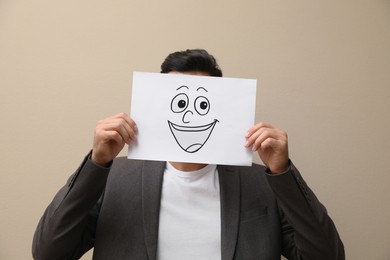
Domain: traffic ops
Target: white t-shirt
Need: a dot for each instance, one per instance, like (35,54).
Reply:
(190,215)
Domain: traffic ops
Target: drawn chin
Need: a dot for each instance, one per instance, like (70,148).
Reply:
(191,138)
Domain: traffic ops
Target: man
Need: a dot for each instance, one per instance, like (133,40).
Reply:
(131,209)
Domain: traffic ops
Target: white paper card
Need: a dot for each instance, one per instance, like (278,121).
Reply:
(185,118)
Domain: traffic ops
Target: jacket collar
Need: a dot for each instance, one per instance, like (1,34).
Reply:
(229,182)
(152,177)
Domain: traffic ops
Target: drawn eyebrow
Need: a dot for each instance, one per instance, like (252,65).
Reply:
(202,88)
(182,87)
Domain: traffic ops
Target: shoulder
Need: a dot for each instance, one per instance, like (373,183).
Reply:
(254,169)
(123,163)
(254,175)
(255,191)
(124,166)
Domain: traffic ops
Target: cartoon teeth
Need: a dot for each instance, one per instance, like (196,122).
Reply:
(191,138)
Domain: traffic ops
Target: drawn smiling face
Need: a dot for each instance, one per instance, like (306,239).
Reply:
(191,137)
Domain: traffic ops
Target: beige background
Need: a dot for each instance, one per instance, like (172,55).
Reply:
(323,69)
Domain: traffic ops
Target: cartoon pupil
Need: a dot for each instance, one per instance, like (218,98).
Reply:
(189,137)
(202,105)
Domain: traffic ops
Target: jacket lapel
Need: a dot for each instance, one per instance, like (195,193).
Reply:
(152,177)
(229,181)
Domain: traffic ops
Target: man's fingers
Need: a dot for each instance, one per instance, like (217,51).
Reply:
(121,128)
(113,136)
(127,119)
(264,136)
(263,133)
(130,122)
(120,123)
(256,127)
(271,143)
(129,125)
(266,144)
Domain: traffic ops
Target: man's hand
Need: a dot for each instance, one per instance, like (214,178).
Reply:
(111,134)
(271,145)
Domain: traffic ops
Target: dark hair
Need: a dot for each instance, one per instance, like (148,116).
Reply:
(198,60)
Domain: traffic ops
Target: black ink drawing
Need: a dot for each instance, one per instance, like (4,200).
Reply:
(189,137)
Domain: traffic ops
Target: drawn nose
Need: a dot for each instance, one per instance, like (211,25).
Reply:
(185,118)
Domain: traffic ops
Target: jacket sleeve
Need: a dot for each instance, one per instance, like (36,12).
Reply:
(67,228)
(308,231)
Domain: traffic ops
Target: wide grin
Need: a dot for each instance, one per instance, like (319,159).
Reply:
(191,138)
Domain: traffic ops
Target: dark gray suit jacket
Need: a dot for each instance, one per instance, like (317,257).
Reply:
(116,211)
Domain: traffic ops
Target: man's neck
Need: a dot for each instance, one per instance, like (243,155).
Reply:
(187,167)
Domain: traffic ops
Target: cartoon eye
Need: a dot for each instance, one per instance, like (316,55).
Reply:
(202,105)
(179,103)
